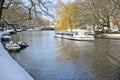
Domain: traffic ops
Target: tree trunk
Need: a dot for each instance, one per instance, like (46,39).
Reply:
(108,25)
(14,28)
(1,7)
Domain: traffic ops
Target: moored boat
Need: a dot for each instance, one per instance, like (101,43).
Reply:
(19,30)
(11,31)
(12,46)
(6,37)
(22,44)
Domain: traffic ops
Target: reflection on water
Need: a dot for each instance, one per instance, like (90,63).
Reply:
(48,58)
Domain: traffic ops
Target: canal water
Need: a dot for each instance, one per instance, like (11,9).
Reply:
(49,58)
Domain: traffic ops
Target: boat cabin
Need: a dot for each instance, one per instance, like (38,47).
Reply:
(75,35)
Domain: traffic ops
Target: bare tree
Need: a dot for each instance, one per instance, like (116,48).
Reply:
(37,7)
(1,7)
(116,3)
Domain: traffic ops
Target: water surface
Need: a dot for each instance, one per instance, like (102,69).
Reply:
(49,58)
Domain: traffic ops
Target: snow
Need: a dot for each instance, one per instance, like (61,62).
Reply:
(9,68)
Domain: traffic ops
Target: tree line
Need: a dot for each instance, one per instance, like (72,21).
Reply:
(82,13)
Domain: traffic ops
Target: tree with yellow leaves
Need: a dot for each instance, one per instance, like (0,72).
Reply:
(69,16)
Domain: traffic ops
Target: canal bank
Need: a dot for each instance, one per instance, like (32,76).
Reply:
(9,68)
(108,36)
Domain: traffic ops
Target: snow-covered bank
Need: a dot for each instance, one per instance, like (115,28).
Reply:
(111,36)
(9,69)
(108,36)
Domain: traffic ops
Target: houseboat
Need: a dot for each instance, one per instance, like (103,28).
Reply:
(75,35)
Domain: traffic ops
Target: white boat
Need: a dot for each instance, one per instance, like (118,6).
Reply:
(36,29)
(30,30)
(75,35)
(12,46)
(5,37)
(19,30)
(11,31)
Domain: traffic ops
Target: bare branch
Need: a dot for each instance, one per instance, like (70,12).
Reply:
(117,3)
(10,24)
(8,5)
(46,12)
(1,7)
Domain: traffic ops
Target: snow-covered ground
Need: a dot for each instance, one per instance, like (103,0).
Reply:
(9,69)
(111,36)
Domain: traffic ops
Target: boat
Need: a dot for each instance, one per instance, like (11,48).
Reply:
(19,30)
(30,30)
(6,37)
(75,35)
(11,31)
(12,46)
(36,29)
(22,44)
